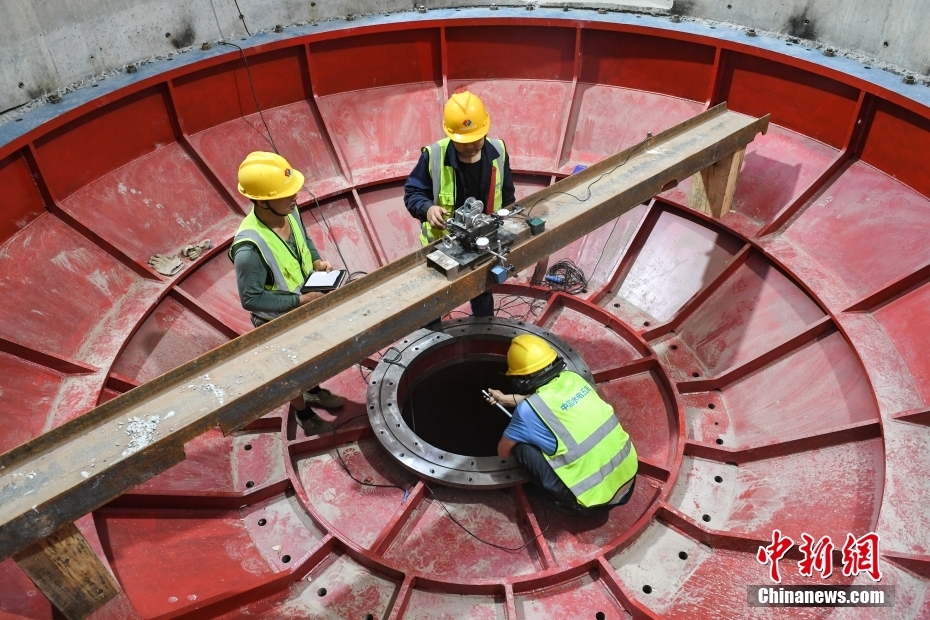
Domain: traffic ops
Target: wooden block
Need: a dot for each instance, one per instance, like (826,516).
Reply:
(68,572)
(713,188)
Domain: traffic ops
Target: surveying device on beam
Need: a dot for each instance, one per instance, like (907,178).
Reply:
(474,238)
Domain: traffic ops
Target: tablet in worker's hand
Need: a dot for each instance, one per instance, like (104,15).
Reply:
(324,281)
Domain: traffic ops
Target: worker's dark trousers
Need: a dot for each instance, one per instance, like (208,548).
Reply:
(549,488)
(483,305)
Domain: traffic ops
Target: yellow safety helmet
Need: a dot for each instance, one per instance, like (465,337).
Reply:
(464,119)
(528,354)
(268,176)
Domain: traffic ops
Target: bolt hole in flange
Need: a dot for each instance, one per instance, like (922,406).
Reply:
(600,615)
(445,429)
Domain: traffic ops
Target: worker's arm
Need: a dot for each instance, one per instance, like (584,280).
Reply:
(508,400)
(505,447)
(251,275)
(418,190)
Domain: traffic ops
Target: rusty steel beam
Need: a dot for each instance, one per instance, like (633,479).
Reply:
(83,464)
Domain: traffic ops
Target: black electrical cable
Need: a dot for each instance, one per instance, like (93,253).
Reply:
(567,277)
(248,73)
(242,18)
(331,235)
(629,154)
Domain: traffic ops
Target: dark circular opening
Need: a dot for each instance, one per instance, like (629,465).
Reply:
(285,558)
(719,441)
(718,478)
(711,406)
(321,592)
(249,484)
(683,555)
(674,347)
(646,323)
(262,522)
(446,407)
(695,374)
(248,446)
(706,518)
(600,615)
(367,616)
(647,589)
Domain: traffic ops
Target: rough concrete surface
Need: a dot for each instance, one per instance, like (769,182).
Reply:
(52,47)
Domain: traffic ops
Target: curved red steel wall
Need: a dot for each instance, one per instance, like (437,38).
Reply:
(768,365)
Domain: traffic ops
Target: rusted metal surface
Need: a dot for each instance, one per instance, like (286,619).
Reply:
(85,463)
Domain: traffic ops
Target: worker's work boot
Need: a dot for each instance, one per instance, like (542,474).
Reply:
(323,398)
(312,423)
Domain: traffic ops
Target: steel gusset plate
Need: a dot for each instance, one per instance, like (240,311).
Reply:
(399,371)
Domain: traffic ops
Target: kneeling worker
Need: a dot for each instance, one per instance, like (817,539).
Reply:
(565,436)
(274,257)
(443,179)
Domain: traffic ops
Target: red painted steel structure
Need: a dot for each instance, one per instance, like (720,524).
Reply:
(768,365)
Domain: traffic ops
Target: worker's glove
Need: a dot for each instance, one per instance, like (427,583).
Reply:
(195,250)
(166,265)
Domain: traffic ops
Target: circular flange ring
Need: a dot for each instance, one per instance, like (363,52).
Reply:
(424,347)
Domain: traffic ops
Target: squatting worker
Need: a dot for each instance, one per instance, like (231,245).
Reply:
(565,436)
(444,178)
(274,256)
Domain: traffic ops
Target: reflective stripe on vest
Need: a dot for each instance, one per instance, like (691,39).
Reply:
(288,272)
(594,456)
(443,179)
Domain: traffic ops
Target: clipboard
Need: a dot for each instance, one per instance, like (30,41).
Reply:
(324,281)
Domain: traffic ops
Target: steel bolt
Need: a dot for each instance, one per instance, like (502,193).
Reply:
(602,11)
(910,79)
(279,28)
(205,46)
(829,52)
(54,98)
(421,9)
(493,7)
(350,17)
(131,68)
(751,32)
(675,19)
(530,7)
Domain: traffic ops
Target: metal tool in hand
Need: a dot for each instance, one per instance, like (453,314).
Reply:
(499,406)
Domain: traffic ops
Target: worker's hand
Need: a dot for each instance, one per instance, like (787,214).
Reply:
(499,397)
(322,265)
(436,216)
(308,297)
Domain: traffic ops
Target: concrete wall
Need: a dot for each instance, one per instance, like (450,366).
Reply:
(47,45)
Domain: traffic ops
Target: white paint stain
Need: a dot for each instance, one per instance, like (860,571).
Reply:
(172,599)
(121,188)
(141,433)
(100,281)
(85,474)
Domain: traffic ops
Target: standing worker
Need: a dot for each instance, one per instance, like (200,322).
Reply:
(565,436)
(443,179)
(274,256)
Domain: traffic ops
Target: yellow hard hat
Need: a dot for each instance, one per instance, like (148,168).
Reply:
(464,119)
(268,176)
(528,354)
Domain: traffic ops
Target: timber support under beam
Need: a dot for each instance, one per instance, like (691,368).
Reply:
(57,477)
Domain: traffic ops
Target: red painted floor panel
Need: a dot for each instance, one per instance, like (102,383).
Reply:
(337,227)
(69,283)
(169,337)
(201,556)
(431,605)
(755,310)
(431,543)
(601,349)
(531,145)
(163,200)
(607,119)
(680,258)
(641,406)
(296,132)
(19,597)
(867,228)
(903,320)
(583,598)
(380,131)
(819,388)
(213,285)
(356,512)
(26,403)
(281,530)
(398,232)
(206,469)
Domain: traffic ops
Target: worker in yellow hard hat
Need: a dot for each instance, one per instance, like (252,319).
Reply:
(274,256)
(565,436)
(475,167)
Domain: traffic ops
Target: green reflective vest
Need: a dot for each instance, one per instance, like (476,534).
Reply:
(594,456)
(289,270)
(443,178)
